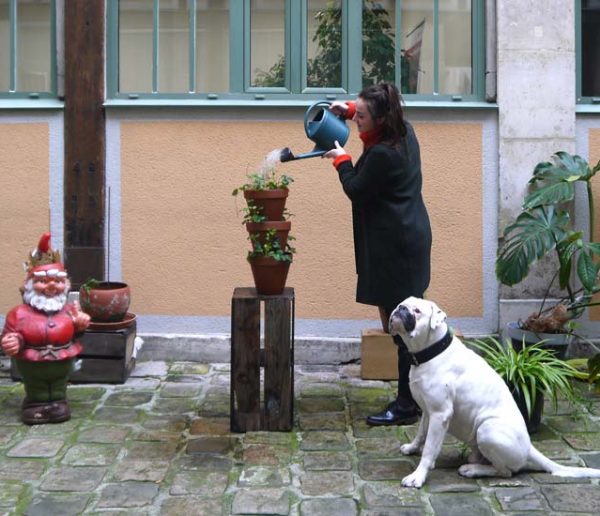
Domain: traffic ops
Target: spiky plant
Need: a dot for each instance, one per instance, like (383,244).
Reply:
(530,371)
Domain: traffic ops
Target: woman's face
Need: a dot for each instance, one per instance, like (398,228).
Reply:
(364,121)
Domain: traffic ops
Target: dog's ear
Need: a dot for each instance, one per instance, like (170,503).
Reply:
(438,316)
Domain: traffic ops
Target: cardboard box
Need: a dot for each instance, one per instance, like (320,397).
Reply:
(378,356)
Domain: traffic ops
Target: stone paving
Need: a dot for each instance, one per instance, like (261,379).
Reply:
(160,444)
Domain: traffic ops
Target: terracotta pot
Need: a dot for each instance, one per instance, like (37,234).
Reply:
(108,301)
(281,227)
(270,202)
(269,275)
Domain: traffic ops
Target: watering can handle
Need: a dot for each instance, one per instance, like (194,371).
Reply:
(310,109)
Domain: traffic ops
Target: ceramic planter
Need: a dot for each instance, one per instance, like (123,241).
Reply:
(270,202)
(556,342)
(532,422)
(281,227)
(269,274)
(107,301)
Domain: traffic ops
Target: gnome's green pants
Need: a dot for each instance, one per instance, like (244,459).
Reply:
(45,381)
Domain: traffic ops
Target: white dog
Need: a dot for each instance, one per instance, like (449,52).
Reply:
(460,393)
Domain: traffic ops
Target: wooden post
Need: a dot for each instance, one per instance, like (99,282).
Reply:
(275,412)
(84,134)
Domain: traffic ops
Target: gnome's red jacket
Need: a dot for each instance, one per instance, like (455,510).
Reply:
(44,337)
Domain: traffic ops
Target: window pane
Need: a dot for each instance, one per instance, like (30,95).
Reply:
(173,47)
(379,28)
(267,43)
(455,47)
(135,45)
(212,41)
(590,48)
(4,46)
(33,46)
(324,52)
(416,47)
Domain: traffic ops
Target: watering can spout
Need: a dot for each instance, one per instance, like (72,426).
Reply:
(288,155)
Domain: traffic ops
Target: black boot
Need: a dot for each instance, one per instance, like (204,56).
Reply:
(395,414)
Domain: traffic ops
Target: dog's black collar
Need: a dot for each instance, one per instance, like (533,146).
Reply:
(432,351)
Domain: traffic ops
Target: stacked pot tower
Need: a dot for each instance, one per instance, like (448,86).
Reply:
(268,231)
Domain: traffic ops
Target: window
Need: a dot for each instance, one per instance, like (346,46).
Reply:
(590,51)
(27,48)
(281,49)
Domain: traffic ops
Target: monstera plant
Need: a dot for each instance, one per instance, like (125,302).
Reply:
(545,227)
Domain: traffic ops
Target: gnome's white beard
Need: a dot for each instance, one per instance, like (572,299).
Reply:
(42,302)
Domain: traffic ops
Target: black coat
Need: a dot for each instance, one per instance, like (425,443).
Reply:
(392,234)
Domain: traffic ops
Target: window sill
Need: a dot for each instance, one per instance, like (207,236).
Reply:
(588,108)
(241,103)
(31,104)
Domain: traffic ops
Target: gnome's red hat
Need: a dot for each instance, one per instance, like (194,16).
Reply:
(44,261)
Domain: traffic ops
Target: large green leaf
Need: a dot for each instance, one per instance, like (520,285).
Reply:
(586,271)
(533,234)
(566,249)
(557,180)
(552,193)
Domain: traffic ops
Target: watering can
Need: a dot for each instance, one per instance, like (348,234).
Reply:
(323,128)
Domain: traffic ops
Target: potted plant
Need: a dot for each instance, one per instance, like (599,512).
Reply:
(105,301)
(529,374)
(266,191)
(265,218)
(258,226)
(545,228)
(270,262)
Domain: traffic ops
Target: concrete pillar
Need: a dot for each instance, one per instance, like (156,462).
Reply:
(536,110)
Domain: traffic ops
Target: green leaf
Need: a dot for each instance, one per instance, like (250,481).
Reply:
(554,193)
(586,271)
(531,236)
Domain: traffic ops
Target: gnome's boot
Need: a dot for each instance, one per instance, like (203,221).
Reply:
(35,413)
(59,411)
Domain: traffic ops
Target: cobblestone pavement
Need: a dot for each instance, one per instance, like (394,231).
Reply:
(160,444)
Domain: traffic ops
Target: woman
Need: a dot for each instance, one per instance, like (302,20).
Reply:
(392,234)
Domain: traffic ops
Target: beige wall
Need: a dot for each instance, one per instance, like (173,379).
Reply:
(184,248)
(594,156)
(24,162)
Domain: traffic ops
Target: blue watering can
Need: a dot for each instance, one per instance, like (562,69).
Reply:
(323,128)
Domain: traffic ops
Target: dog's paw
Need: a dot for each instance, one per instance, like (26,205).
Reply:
(415,479)
(409,449)
(468,470)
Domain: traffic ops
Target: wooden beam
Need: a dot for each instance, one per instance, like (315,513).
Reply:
(84,133)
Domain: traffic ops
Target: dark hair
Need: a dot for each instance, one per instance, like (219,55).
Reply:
(383,102)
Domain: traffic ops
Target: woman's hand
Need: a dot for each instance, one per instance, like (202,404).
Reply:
(338,108)
(334,153)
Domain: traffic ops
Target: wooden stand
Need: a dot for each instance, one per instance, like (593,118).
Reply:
(276,358)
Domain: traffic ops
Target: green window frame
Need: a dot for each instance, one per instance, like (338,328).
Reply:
(14,90)
(579,51)
(296,36)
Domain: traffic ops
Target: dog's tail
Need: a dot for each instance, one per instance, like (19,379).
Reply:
(539,461)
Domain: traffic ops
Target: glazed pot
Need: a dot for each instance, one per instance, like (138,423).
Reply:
(269,274)
(271,203)
(106,301)
(558,343)
(531,421)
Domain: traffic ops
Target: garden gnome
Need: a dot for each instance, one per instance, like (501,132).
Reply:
(40,333)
